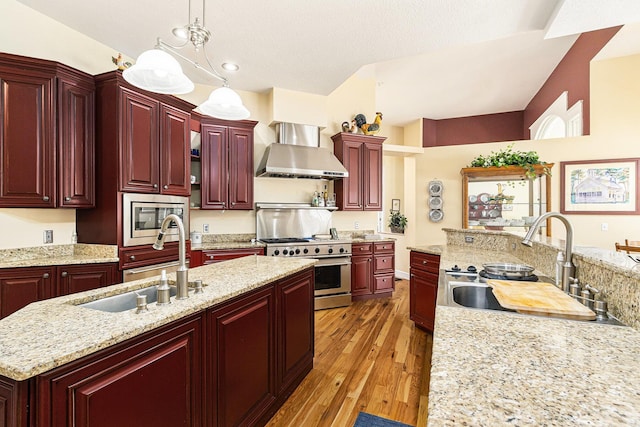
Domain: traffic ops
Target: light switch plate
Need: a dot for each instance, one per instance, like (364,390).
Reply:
(48,236)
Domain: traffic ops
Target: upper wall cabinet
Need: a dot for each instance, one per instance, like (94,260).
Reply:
(46,134)
(144,136)
(503,198)
(361,155)
(227,164)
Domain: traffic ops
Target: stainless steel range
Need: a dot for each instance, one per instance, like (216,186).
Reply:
(288,231)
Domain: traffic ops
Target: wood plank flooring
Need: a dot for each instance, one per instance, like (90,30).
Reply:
(368,357)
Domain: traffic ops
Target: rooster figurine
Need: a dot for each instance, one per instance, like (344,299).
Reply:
(369,128)
(122,65)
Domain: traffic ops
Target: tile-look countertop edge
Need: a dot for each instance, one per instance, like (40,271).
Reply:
(53,332)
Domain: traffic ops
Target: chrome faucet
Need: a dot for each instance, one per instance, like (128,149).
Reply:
(182,278)
(568,268)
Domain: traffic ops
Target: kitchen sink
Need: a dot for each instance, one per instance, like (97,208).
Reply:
(126,301)
(476,297)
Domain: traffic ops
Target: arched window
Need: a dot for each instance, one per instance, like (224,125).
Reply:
(558,121)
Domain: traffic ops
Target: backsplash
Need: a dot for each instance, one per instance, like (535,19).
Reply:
(614,274)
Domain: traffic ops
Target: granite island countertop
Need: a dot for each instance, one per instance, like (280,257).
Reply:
(493,368)
(50,333)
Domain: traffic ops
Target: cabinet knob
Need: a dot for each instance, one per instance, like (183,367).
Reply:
(45,276)
(64,274)
(166,187)
(67,199)
(424,262)
(132,257)
(45,198)
(211,256)
(233,203)
(384,260)
(155,185)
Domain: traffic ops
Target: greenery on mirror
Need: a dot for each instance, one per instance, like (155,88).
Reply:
(511,157)
(397,222)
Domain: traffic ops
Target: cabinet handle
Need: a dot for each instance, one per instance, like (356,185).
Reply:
(211,256)
(64,274)
(166,187)
(132,257)
(233,203)
(45,276)
(424,262)
(67,199)
(155,185)
(45,198)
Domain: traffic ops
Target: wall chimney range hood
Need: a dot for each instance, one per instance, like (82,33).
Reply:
(297,154)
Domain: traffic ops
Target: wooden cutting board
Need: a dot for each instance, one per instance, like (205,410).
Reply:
(540,298)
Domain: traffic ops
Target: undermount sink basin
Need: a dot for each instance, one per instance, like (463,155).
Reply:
(126,301)
(476,297)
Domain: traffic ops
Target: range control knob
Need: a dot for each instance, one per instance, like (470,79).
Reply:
(341,250)
(276,252)
(306,251)
(285,252)
(317,250)
(291,253)
(297,251)
(330,250)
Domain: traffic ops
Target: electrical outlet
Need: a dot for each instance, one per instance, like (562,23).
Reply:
(468,239)
(604,226)
(48,236)
(205,228)
(356,225)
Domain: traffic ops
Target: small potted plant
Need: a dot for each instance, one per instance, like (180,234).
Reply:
(397,222)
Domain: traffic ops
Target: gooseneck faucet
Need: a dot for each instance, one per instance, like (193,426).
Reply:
(568,268)
(182,279)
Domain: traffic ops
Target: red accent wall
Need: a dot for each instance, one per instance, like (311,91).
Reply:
(572,75)
(472,129)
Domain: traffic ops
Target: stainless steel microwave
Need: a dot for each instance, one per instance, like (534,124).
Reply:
(142,216)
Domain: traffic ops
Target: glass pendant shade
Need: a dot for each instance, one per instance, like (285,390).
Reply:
(224,103)
(159,72)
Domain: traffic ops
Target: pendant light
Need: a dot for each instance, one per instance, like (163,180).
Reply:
(156,70)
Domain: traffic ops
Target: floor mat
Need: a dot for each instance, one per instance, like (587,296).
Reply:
(368,420)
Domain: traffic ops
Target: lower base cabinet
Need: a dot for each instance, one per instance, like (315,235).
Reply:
(372,270)
(232,364)
(423,288)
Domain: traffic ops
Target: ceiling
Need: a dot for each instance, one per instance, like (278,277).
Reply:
(430,58)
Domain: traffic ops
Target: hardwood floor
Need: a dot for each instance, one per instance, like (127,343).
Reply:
(368,357)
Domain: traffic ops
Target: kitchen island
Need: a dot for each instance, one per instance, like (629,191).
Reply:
(492,368)
(231,353)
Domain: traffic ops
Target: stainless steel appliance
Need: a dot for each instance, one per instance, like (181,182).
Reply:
(288,230)
(142,216)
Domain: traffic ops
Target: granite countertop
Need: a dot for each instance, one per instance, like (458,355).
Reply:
(53,332)
(226,245)
(58,255)
(492,368)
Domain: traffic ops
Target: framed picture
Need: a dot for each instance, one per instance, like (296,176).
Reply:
(594,187)
(395,205)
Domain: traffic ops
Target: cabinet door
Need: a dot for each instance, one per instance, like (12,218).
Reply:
(175,149)
(422,298)
(27,140)
(76,143)
(349,189)
(22,286)
(152,381)
(242,362)
(14,403)
(84,277)
(361,275)
(241,168)
(214,191)
(140,161)
(296,326)
(372,184)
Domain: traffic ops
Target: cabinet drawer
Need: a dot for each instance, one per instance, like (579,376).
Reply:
(362,248)
(218,255)
(140,256)
(383,263)
(425,261)
(383,247)
(384,283)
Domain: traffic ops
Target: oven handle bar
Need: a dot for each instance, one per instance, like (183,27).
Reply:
(333,261)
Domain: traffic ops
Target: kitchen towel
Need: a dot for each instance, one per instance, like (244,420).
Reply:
(368,420)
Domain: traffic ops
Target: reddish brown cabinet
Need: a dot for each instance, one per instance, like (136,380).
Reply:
(46,134)
(211,256)
(423,285)
(227,164)
(372,269)
(361,155)
(143,136)
(152,380)
(22,286)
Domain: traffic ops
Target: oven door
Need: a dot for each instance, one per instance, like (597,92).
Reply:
(333,276)
(143,215)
